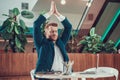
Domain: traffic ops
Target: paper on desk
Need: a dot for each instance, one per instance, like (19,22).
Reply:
(88,72)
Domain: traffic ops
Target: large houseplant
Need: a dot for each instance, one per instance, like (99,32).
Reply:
(94,44)
(13,30)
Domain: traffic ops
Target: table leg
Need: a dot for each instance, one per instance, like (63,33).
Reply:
(83,78)
(74,78)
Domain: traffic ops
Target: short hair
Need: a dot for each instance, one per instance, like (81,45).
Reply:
(52,24)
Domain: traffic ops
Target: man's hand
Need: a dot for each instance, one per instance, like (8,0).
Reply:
(47,32)
(56,13)
(51,8)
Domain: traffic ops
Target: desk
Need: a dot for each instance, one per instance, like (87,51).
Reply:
(55,76)
(75,75)
(85,75)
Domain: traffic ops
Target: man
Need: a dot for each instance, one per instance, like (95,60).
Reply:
(51,48)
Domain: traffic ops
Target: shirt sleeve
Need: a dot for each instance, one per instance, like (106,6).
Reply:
(47,15)
(60,17)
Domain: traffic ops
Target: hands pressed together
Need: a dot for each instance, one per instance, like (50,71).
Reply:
(53,9)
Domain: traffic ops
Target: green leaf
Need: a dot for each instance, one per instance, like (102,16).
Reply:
(22,24)
(20,47)
(16,30)
(27,14)
(16,11)
(92,32)
(81,42)
(17,42)
(6,23)
(89,45)
(5,15)
(11,29)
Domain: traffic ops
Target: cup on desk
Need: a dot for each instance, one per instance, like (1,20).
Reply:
(68,67)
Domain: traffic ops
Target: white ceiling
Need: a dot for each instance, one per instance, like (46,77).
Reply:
(73,9)
(71,6)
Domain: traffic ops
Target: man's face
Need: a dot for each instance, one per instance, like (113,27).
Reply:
(53,33)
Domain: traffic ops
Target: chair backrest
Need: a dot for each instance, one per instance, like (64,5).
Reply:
(105,69)
(32,74)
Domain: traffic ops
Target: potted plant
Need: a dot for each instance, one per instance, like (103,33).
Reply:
(71,45)
(13,30)
(94,44)
(109,47)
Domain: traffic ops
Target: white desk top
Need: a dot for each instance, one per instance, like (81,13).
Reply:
(75,75)
(92,75)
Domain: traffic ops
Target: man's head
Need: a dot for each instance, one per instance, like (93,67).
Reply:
(53,31)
